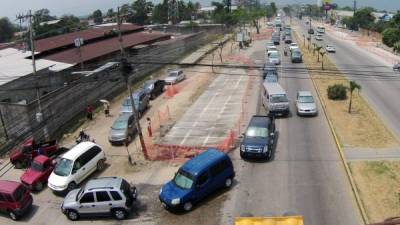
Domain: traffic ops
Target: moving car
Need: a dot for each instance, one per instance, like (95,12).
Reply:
(22,156)
(276,38)
(76,165)
(196,179)
(106,196)
(305,104)
(293,45)
(274,99)
(271,49)
(36,176)
(330,48)
(154,88)
(311,31)
(321,29)
(269,43)
(396,67)
(123,129)
(258,140)
(296,56)
(318,37)
(175,76)
(141,100)
(15,199)
(270,73)
(288,39)
(273,57)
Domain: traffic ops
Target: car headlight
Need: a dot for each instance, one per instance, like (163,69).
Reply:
(242,148)
(176,201)
(265,148)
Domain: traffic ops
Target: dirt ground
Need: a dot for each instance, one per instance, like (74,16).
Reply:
(378,183)
(362,128)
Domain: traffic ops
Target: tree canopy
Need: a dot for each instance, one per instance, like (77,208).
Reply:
(7,30)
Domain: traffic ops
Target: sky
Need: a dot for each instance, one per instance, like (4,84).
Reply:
(10,8)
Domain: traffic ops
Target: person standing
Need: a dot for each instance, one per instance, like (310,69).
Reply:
(89,112)
(149,130)
(106,109)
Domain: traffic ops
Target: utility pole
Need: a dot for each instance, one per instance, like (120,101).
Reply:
(126,70)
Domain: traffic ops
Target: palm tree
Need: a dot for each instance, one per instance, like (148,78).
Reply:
(353,86)
(318,49)
(314,47)
(322,55)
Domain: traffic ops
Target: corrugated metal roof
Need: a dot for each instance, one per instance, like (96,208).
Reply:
(100,48)
(59,41)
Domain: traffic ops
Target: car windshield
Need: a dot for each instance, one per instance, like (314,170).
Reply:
(37,166)
(183,179)
(261,132)
(296,53)
(306,99)
(273,55)
(120,124)
(63,168)
(279,98)
(173,74)
(127,101)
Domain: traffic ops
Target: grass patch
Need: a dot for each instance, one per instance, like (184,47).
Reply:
(378,184)
(362,128)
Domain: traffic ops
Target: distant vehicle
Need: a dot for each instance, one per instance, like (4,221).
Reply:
(288,39)
(105,196)
(307,22)
(318,37)
(154,88)
(175,76)
(305,104)
(311,31)
(274,99)
(123,130)
(76,165)
(23,156)
(196,179)
(396,67)
(320,29)
(276,38)
(273,57)
(330,48)
(270,73)
(272,49)
(296,56)
(141,100)
(270,24)
(258,139)
(36,176)
(269,43)
(293,45)
(15,200)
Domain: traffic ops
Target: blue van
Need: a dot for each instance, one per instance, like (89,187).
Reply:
(196,179)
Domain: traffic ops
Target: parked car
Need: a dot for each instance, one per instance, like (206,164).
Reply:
(175,76)
(196,179)
(23,155)
(37,175)
(141,99)
(273,57)
(106,196)
(258,139)
(305,104)
(330,48)
(396,67)
(123,129)
(154,88)
(15,199)
(296,56)
(76,165)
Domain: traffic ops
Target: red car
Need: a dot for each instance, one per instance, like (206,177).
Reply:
(15,199)
(30,149)
(36,176)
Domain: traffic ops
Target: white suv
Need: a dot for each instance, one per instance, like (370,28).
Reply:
(75,165)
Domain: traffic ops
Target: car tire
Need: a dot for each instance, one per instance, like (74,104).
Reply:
(100,165)
(188,206)
(72,215)
(119,214)
(71,186)
(18,165)
(12,215)
(39,186)
(228,182)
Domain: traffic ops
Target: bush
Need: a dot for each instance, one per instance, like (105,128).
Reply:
(337,92)
(391,36)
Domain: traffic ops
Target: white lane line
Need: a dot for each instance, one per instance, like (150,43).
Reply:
(238,82)
(186,136)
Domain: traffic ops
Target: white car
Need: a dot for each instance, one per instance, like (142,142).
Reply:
(319,38)
(175,76)
(293,45)
(76,165)
(330,48)
(273,57)
(271,49)
(305,104)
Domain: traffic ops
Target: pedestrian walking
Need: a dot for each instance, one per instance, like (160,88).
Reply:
(107,110)
(149,130)
(89,112)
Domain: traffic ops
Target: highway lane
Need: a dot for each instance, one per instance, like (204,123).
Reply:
(305,177)
(381,94)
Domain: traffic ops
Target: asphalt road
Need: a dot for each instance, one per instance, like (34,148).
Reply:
(305,177)
(381,93)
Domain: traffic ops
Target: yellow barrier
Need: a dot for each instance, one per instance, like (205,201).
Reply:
(287,220)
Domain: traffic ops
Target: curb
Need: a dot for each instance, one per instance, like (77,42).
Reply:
(340,151)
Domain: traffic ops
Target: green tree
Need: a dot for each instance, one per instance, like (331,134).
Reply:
(111,13)
(160,12)
(43,15)
(97,16)
(337,92)
(7,30)
(273,8)
(353,86)
(396,47)
(364,18)
(346,8)
(391,36)
(141,10)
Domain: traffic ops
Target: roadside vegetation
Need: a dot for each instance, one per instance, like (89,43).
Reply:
(362,127)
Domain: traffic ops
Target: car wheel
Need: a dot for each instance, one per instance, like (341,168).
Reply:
(119,214)
(39,186)
(100,165)
(18,165)
(71,186)
(12,215)
(187,206)
(228,182)
(72,215)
